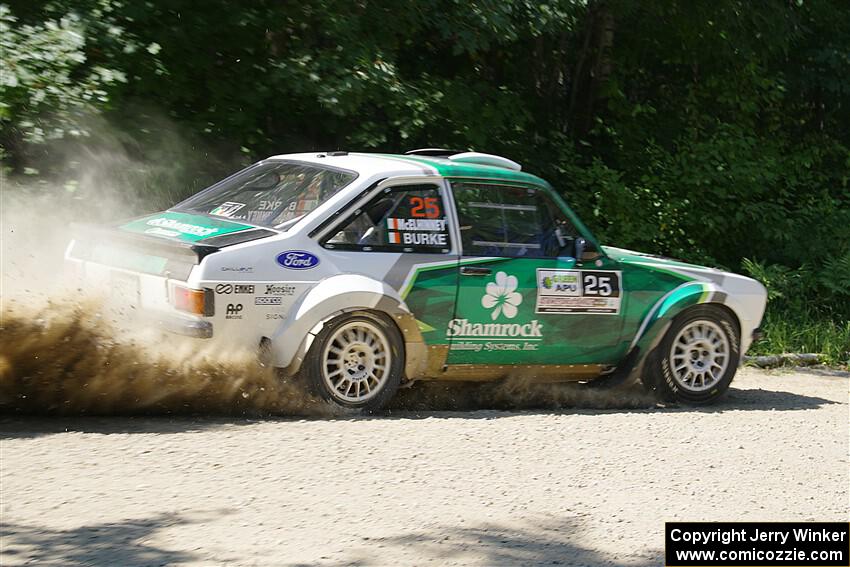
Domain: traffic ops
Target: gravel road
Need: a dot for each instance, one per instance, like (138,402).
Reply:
(573,486)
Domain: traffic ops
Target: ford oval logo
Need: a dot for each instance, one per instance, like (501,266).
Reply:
(297,260)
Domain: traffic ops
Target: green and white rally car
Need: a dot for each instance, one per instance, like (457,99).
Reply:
(359,272)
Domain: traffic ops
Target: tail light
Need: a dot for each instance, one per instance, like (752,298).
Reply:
(195,301)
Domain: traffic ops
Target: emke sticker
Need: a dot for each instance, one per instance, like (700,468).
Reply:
(578,291)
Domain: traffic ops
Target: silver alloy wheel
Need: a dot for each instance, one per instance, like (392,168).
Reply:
(356,362)
(699,355)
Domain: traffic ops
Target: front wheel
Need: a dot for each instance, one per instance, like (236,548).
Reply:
(356,362)
(698,357)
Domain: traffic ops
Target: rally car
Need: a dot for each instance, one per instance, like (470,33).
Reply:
(356,273)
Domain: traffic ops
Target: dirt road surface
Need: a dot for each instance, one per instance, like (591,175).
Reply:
(571,487)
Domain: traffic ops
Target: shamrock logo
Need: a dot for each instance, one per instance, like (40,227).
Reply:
(502,296)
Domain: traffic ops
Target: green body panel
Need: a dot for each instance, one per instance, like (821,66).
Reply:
(483,334)
(182,227)
(430,296)
(479,333)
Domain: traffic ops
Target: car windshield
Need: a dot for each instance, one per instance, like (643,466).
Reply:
(272,193)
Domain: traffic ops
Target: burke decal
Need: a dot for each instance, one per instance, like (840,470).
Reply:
(297,260)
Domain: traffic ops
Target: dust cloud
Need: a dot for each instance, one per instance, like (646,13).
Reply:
(64,358)
(63,352)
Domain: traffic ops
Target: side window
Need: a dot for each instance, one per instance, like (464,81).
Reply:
(511,221)
(409,218)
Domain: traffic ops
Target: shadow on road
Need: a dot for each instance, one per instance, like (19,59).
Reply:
(115,543)
(430,400)
(552,543)
(24,427)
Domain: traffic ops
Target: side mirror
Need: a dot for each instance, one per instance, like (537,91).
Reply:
(585,250)
(580,247)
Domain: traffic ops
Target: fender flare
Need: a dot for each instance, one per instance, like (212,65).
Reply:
(332,297)
(658,320)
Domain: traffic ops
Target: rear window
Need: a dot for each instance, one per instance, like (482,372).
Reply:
(273,194)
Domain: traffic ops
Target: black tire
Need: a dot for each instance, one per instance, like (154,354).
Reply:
(659,374)
(314,366)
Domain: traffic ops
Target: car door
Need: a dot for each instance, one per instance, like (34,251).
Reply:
(401,236)
(522,297)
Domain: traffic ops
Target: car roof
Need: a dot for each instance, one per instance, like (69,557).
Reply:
(370,164)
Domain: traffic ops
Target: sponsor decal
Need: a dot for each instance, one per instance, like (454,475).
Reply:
(578,291)
(502,299)
(272,300)
(297,260)
(234,288)
(280,289)
(227,209)
(463,328)
(234,311)
(424,231)
(162,232)
(239,269)
(434,225)
(275,316)
(269,206)
(417,238)
(181,227)
(501,296)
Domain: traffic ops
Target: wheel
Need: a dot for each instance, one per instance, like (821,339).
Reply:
(356,362)
(697,359)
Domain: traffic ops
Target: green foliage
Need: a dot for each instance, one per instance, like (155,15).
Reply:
(710,131)
(48,86)
(808,307)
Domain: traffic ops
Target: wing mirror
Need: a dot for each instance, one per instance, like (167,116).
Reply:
(584,250)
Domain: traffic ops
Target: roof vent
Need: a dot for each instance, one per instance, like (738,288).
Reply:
(431,152)
(486,159)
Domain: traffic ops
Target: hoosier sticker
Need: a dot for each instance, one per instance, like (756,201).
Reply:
(578,291)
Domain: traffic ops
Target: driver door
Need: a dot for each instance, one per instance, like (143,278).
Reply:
(523,299)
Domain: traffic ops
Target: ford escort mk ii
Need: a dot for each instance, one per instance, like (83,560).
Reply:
(356,273)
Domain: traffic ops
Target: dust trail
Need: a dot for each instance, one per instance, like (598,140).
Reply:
(518,394)
(64,358)
(61,352)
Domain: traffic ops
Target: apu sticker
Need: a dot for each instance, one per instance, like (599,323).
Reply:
(578,291)
(297,260)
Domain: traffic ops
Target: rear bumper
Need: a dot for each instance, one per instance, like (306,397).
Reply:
(187,327)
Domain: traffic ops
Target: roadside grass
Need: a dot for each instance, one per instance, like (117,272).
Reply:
(803,333)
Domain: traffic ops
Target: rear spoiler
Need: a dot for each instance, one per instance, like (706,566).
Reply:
(149,254)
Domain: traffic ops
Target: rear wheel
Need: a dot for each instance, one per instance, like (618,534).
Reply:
(356,362)
(698,357)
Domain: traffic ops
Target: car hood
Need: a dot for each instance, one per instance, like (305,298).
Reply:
(630,256)
(183,227)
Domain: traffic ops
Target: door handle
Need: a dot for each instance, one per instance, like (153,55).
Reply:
(475,271)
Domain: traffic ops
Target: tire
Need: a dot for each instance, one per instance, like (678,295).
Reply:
(356,362)
(697,358)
